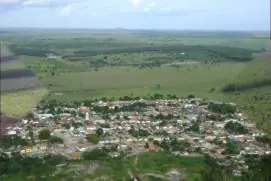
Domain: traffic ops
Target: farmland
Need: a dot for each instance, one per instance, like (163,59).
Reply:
(113,63)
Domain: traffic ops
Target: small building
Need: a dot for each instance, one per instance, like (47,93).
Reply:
(51,56)
(76,155)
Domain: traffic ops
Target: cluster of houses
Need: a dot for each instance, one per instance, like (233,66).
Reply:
(137,126)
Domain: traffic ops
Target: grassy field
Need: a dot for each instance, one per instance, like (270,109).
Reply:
(13,65)
(255,95)
(20,103)
(112,82)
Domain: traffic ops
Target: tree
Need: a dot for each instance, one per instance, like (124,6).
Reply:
(93,138)
(66,125)
(30,115)
(54,139)
(99,132)
(235,127)
(96,154)
(31,135)
(222,108)
(231,147)
(44,134)
(191,96)
(195,128)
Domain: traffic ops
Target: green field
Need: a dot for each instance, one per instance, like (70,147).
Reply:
(20,103)
(116,82)
(115,63)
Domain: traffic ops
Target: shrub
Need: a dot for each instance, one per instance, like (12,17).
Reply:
(235,127)
(44,134)
(222,108)
(93,138)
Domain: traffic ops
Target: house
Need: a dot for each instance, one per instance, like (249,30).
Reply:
(51,56)
(76,155)
(44,116)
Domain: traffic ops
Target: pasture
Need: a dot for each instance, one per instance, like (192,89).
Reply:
(20,103)
(117,82)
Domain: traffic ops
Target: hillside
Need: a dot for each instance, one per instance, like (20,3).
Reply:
(253,91)
(256,74)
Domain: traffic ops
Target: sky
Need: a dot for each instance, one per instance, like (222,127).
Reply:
(137,14)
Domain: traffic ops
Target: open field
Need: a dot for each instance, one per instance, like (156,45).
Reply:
(20,103)
(12,65)
(253,87)
(110,82)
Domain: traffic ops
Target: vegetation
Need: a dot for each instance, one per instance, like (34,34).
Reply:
(96,154)
(222,108)
(20,103)
(173,145)
(93,138)
(195,128)
(197,168)
(54,139)
(139,133)
(10,141)
(44,134)
(235,127)
(27,166)
(259,169)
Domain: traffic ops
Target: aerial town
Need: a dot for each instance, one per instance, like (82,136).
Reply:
(189,126)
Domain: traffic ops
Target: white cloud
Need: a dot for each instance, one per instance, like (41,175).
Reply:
(135,3)
(67,10)
(152,4)
(36,2)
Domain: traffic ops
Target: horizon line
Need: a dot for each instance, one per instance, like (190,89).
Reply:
(149,29)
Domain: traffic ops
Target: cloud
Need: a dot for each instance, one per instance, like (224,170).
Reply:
(36,2)
(67,10)
(136,3)
(152,4)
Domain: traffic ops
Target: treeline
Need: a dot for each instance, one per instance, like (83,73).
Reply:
(39,52)
(234,87)
(192,52)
